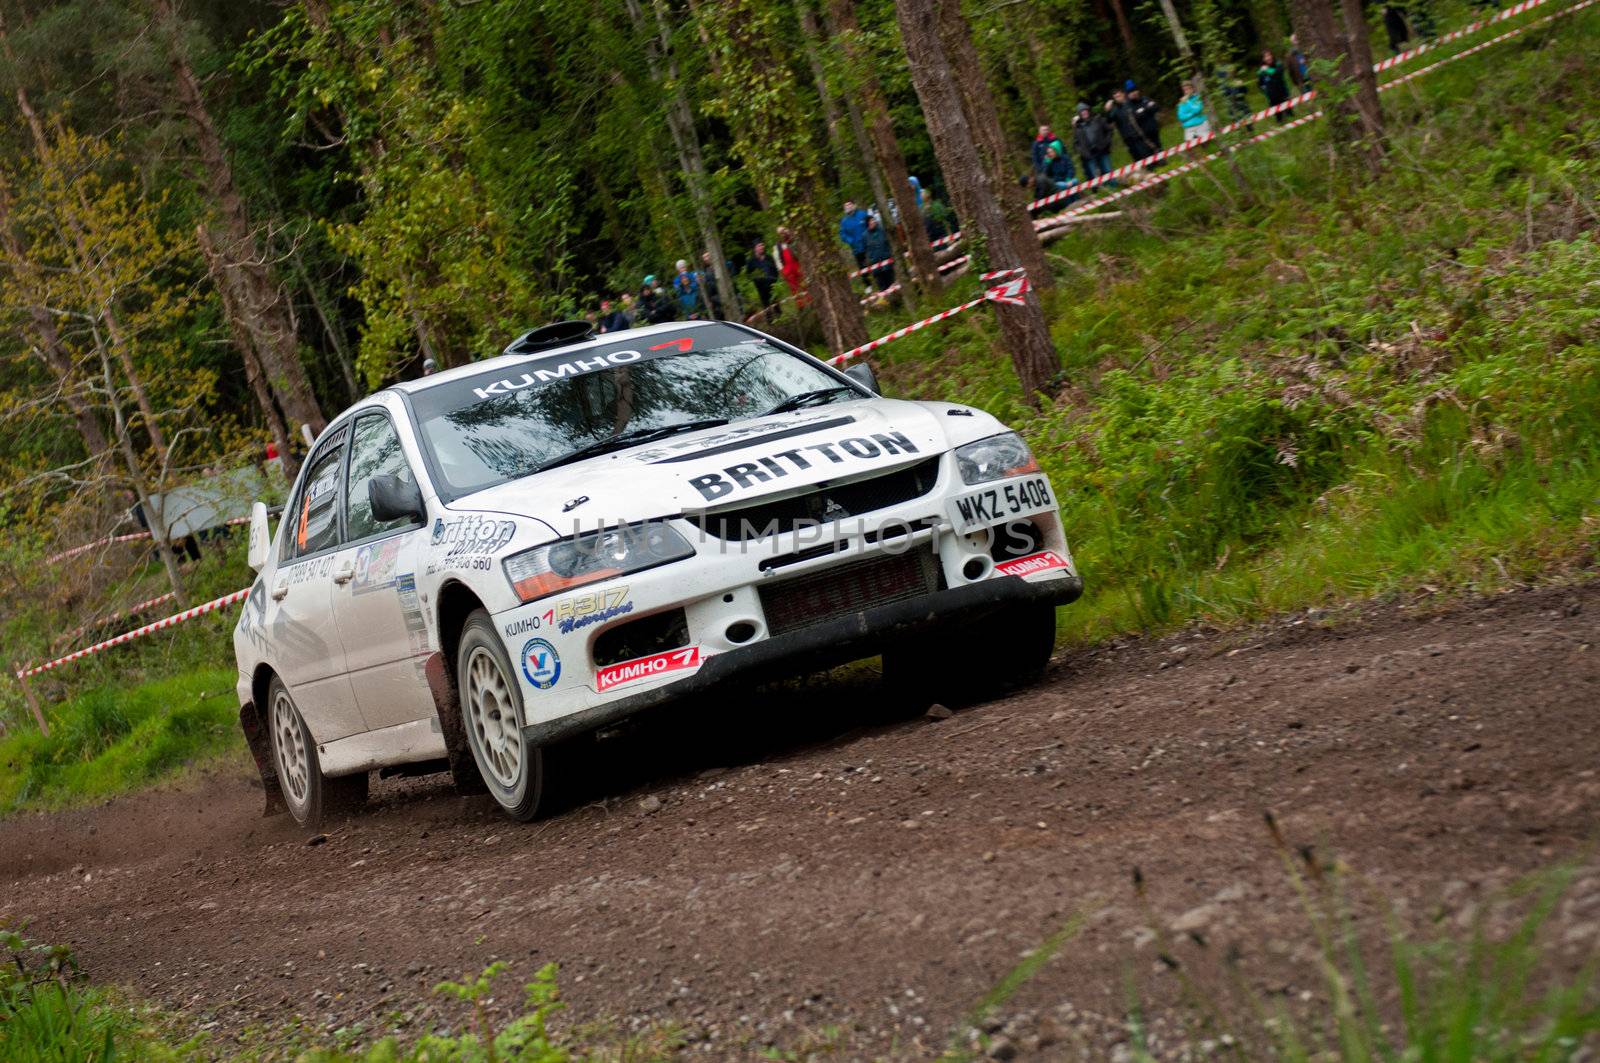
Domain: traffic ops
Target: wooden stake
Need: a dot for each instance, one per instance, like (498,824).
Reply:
(33,703)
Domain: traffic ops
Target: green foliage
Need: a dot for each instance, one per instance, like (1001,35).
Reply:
(116,738)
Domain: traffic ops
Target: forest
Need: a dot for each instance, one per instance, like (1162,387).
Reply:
(222,223)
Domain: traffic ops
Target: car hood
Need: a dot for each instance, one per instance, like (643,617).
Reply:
(724,467)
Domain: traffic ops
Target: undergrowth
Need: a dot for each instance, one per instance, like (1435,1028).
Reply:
(1327,392)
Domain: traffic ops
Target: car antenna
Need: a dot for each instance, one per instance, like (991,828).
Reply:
(555,334)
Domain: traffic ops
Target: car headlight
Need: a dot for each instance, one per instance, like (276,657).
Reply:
(560,566)
(994,458)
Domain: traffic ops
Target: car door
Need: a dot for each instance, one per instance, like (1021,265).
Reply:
(375,588)
(306,649)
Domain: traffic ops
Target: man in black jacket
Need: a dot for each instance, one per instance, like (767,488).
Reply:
(1091,139)
(763,269)
(1133,119)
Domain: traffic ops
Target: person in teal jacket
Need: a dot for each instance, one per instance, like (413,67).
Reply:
(1192,112)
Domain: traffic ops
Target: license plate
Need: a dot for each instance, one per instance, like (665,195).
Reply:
(988,506)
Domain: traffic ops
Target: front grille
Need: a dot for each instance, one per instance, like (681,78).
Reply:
(826,595)
(641,638)
(824,505)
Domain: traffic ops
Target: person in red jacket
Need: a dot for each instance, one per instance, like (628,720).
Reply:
(789,266)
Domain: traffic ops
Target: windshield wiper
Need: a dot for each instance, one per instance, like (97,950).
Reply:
(628,439)
(809,398)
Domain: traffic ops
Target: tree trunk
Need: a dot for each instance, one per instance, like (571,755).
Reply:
(1125,30)
(810,33)
(1355,129)
(990,236)
(763,107)
(136,480)
(341,354)
(1360,57)
(967,78)
(267,317)
(880,126)
(247,353)
(680,123)
(48,346)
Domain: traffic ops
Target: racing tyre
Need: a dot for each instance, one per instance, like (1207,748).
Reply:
(1004,651)
(313,798)
(491,714)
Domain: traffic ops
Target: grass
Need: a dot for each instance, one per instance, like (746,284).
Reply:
(113,739)
(1327,392)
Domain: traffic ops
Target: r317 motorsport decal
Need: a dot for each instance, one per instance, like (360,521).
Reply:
(577,612)
(780,463)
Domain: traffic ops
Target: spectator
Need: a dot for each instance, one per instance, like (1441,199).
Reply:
(654,306)
(1122,109)
(612,318)
(708,287)
(686,287)
(1394,24)
(1192,113)
(1145,114)
(1091,137)
(1042,144)
(1058,170)
(1299,68)
(876,242)
(1274,86)
(853,230)
(789,267)
(629,314)
(916,186)
(1233,91)
(763,269)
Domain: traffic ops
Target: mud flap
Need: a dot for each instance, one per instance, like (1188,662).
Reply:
(255,736)
(463,769)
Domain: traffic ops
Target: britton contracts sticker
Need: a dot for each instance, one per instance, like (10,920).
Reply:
(659,664)
(1033,563)
(541,663)
(989,506)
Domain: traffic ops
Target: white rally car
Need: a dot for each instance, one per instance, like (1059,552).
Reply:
(476,565)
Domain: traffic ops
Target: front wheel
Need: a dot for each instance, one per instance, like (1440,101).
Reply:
(491,714)
(313,798)
(1005,650)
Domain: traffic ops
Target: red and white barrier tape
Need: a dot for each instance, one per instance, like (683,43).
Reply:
(76,550)
(129,636)
(1155,179)
(1011,292)
(132,610)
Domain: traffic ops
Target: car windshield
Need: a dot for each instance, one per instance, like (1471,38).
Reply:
(498,426)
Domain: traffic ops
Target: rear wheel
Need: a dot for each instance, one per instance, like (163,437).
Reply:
(1003,651)
(491,713)
(313,798)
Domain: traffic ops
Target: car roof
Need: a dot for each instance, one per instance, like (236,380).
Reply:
(505,361)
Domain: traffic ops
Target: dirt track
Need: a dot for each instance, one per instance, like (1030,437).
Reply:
(803,869)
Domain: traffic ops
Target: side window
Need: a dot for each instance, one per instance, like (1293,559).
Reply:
(374,451)
(316,511)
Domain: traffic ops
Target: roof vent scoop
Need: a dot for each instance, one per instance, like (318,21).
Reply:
(546,337)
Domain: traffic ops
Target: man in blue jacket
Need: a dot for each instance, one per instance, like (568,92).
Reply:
(853,230)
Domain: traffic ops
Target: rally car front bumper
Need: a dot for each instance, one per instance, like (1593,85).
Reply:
(823,645)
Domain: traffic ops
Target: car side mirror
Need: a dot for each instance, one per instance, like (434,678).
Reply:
(260,537)
(394,499)
(862,374)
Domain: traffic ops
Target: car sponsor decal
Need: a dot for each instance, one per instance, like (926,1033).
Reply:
(1033,563)
(541,664)
(778,464)
(590,363)
(375,565)
(577,612)
(738,438)
(642,668)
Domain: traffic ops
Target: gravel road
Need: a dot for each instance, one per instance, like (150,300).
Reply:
(763,869)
